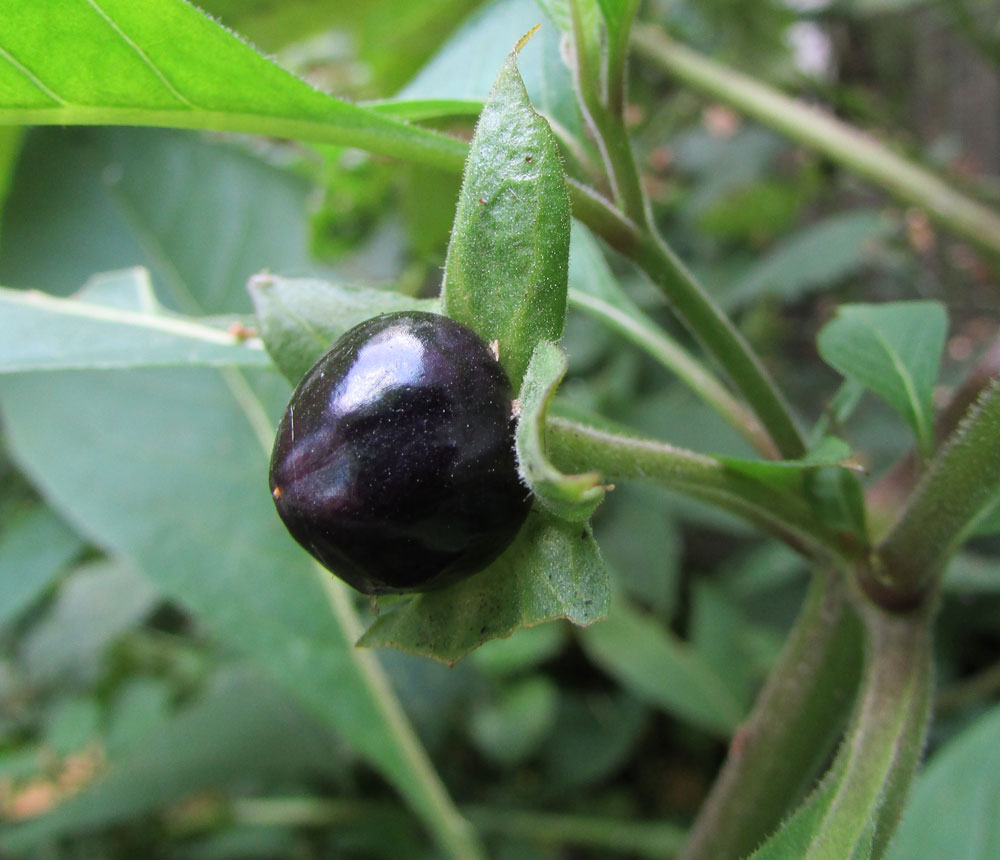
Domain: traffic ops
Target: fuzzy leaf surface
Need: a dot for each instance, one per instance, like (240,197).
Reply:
(506,271)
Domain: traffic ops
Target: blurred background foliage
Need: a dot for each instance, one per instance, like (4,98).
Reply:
(126,730)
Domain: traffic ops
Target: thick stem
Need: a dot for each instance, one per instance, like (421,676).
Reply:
(793,726)
(961,484)
(817,130)
(879,757)
(576,447)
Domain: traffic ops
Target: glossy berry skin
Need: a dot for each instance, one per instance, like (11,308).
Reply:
(394,462)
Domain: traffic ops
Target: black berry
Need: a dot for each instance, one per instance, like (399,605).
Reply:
(394,462)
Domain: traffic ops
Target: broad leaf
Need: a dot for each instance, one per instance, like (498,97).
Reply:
(465,67)
(167,467)
(35,547)
(163,62)
(201,217)
(952,812)
(894,349)
(552,570)
(816,257)
(301,318)
(505,276)
(570,497)
(115,322)
(655,666)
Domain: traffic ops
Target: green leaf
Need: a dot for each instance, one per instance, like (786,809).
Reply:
(35,547)
(465,67)
(569,497)
(202,217)
(552,570)
(168,467)
(655,666)
(893,349)
(511,728)
(163,62)
(243,726)
(95,604)
(301,318)
(951,812)
(114,322)
(814,258)
(505,276)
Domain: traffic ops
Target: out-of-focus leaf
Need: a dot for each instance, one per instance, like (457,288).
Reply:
(35,547)
(655,666)
(533,645)
(72,724)
(465,68)
(971,573)
(243,726)
(894,349)
(594,734)
(951,812)
(42,332)
(505,276)
(10,148)
(648,569)
(168,467)
(159,62)
(552,570)
(301,318)
(816,257)
(511,728)
(570,497)
(718,636)
(97,603)
(201,217)
(140,708)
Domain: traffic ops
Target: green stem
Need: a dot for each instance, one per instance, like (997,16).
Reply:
(960,485)
(877,762)
(817,130)
(648,336)
(576,447)
(453,832)
(655,840)
(618,41)
(700,314)
(723,340)
(793,726)
(609,130)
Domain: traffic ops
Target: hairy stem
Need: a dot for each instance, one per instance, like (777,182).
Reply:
(962,483)
(578,447)
(855,150)
(790,731)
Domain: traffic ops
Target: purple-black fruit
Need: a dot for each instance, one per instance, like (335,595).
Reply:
(394,462)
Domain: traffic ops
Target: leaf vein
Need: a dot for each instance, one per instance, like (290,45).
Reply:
(24,70)
(142,55)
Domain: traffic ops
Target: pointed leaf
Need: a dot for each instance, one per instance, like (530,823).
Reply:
(894,349)
(654,665)
(505,276)
(163,62)
(301,318)
(953,809)
(42,332)
(570,497)
(552,570)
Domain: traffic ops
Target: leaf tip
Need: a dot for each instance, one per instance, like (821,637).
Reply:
(525,39)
